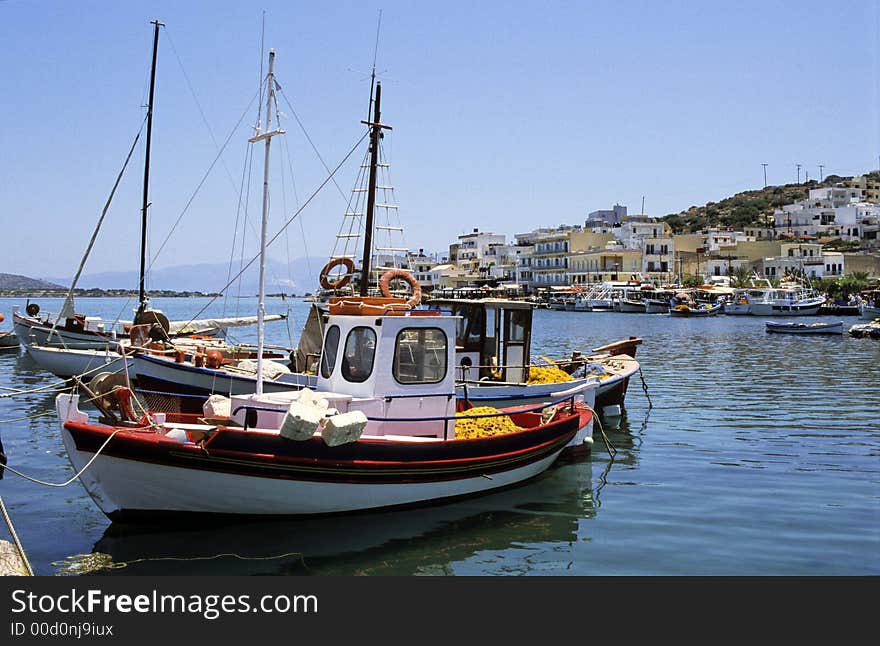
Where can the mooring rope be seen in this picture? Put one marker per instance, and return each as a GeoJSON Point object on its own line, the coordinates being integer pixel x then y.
{"type": "Point", "coordinates": [15, 539]}
{"type": "Point", "coordinates": [645, 388]}
{"type": "Point", "coordinates": [74, 477]}
{"type": "Point", "coordinates": [98, 561]}
{"type": "Point", "coordinates": [61, 386]}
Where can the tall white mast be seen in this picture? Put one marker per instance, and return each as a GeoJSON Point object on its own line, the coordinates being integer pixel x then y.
{"type": "Point", "coordinates": [267, 136]}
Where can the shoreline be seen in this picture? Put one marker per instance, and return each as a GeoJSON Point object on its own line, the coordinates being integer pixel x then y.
{"type": "Point", "coordinates": [116, 293]}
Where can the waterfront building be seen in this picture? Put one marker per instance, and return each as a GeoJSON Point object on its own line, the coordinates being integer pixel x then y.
{"type": "Point", "coordinates": [614, 262]}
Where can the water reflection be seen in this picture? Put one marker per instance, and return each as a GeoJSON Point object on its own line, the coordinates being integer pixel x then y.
{"type": "Point", "coordinates": [431, 540]}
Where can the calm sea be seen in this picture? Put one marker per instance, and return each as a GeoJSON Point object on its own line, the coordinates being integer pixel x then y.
{"type": "Point", "coordinates": [755, 454]}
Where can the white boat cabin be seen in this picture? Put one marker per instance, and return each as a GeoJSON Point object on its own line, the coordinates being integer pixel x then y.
{"type": "Point", "coordinates": [395, 368]}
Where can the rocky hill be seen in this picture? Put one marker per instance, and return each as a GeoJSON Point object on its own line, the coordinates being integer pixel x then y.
{"type": "Point", "coordinates": [16, 282]}
{"type": "Point", "coordinates": [746, 208]}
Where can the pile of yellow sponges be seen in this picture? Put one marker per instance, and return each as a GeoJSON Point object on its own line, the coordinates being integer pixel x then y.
{"type": "Point", "coordinates": [550, 375]}
{"type": "Point", "coordinates": [472, 427]}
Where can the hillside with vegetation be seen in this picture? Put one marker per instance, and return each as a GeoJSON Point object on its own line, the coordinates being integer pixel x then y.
{"type": "Point", "coordinates": [17, 282]}
{"type": "Point", "coordinates": [747, 208]}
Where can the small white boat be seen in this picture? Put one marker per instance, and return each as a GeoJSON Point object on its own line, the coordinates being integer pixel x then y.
{"type": "Point", "coordinates": [69, 362]}
{"type": "Point", "coordinates": [805, 328]}
{"type": "Point", "coordinates": [869, 312]}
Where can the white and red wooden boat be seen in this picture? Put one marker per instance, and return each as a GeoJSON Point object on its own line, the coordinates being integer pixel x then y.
{"type": "Point", "coordinates": [396, 371]}
{"type": "Point", "coordinates": [387, 382]}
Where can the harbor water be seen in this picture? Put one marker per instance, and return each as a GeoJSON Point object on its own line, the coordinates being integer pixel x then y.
{"type": "Point", "coordinates": [746, 453]}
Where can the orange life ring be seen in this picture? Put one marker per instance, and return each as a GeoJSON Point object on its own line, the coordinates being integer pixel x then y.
{"type": "Point", "coordinates": [391, 274]}
{"type": "Point", "coordinates": [326, 283]}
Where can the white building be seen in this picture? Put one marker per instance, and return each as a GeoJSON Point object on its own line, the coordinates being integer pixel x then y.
{"type": "Point", "coordinates": [831, 212]}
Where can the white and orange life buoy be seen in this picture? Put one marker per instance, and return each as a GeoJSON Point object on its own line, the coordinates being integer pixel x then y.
{"type": "Point", "coordinates": [402, 274]}
{"type": "Point", "coordinates": [343, 280]}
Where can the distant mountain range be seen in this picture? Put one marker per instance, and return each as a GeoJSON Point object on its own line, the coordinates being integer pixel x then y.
{"type": "Point", "coordinates": [14, 281]}
{"type": "Point", "coordinates": [301, 277]}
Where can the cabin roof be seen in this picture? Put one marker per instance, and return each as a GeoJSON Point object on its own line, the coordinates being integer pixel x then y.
{"type": "Point", "coordinates": [497, 303]}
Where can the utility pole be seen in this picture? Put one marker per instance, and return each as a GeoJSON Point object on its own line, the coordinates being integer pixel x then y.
{"type": "Point", "coordinates": [765, 175]}
{"type": "Point", "coordinates": [799, 173]}
{"type": "Point", "coordinates": [643, 204]}
{"type": "Point", "coordinates": [821, 175]}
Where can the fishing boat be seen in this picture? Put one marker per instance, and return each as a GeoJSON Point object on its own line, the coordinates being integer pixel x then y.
{"type": "Point", "coordinates": [379, 431]}
{"type": "Point", "coordinates": [630, 301]}
{"type": "Point", "coordinates": [701, 310]}
{"type": "Point", "coordinates": [787, 301]}
{"type": "Point", "coordinates": [805, 328]}
{"type": "Point", "coordinates": [683, 304]}
{"type": "Point", "coordinates": [494, 365]}
{"type": "Point", "coordinates": [7, 339]}
{"type": "Point", "coordinates": [657, 302]}
{"type": "Point", "coordinates": [866, 330]}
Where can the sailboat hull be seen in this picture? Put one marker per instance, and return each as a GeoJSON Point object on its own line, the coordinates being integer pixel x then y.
{"type": "Point", "coordinates": [194, 385]}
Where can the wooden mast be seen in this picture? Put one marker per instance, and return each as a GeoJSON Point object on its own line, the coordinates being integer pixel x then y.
{"type": "Point", "coordinates": [142, 298]}
{"type": "Point", "coordinates": [376, 128]}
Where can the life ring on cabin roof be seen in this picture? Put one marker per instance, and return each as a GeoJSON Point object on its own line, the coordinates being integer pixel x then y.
{"type": "Point", "coordinates": [343, 280]}
{"type": "Point", "coordinates": [392, 274]}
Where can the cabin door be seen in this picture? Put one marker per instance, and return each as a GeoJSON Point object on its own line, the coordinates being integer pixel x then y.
{"type": "Point", "coordinates": [516, 344]}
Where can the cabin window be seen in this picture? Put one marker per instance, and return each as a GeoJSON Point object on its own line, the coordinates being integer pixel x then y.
{"type": "Point", "coordinates": [360, 350]}
{"type": "Point", "coordinates": [518, 320]}
{"type": "Point", "coordinates": [420, 356]}
{"type": "Point", "coordinates": [328, 356]}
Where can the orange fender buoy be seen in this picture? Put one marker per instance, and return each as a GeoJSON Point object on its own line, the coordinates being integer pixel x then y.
{"type": "Point", "coordinates": [391, 274]}
{"type": "Point", "coordinates": [343, 280]}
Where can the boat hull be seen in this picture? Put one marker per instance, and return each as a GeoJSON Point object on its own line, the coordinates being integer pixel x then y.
{"type": "Point", "coordinates": [32, 332]}
{"type": "Point", "coordinates": [194, 385]}
{"type": "Point", "coordinates": [695, 312]}
{"type": "Point", "coordinates": [870, 312]}
{"type": "Point", "coordinates": [632, 307]}
{"type": "Point", "coordinates": [254, 473]}
{"type": "Point", "coordinates": [68, 363]}
{"type": "Point", "coordinates": [656, 307]}
{"type": "Point", "coordinates": [805, 328]}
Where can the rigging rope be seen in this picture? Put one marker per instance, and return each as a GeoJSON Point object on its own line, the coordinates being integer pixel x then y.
{"type": "Point", "coordinates": [67, 306]}
{"type": "Point", "coordinates": [286, 224]}
{"type": "Point", "coordinates": [199, 186]}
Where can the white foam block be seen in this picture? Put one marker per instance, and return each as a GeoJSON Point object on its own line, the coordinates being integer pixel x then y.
{"type": "Point", "coordinates": [309, 397]}
{"type": "Point", "coordinates": [301, 422]}
{"type": "Point", "coordinates": [343, 428]}
{"type": "Point", "coordinates": [217, 407]}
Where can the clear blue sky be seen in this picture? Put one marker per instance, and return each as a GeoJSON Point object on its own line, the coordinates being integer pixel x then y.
{"type": "Point", "coordinates": [507, 115]}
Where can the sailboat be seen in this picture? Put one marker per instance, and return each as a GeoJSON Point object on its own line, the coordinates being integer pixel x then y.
{"type": "Point", "coordinates": [70, 343]}
{"type": "Point", "coordinates": [71, 330]}
{"type": "Point", "coordinates": [380, 431]}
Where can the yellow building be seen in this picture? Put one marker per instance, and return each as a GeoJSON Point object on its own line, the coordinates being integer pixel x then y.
{"type": "Point", "coordinates": [586, 267]}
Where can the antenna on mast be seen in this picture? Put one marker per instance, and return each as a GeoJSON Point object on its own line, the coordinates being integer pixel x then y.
{"type": "Point", "coordinates": [373, 72]}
